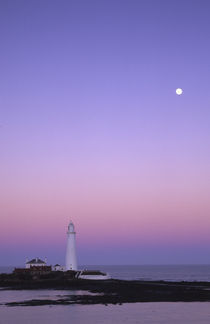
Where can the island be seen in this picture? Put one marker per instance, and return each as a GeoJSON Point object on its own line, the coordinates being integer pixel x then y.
{"type": "Point", "coordinates": [112, 291]}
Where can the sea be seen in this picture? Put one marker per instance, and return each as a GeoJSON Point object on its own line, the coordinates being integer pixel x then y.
{"type": "Point", "coordinates": [161, 312]}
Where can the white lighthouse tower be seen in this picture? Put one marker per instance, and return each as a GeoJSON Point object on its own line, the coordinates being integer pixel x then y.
{"type": "Point", "coordinates": [71, 258]}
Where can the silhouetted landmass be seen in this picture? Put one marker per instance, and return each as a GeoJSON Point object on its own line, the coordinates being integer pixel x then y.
{"type": "Point", "coordinates": [105, 292]}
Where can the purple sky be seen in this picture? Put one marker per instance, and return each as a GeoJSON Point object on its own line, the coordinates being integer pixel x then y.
{"type": "Point", "coordinates": [91, 129]}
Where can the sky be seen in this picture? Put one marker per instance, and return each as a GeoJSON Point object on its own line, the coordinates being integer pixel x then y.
{"type": "Point", "coordinates": [91, 130]}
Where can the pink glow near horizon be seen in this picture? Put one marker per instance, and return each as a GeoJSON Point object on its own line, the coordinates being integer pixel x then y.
{"type": "Point", "coordinates": [142, 209]}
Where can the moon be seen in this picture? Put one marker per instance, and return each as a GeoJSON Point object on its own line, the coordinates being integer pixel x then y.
{"type": "Point", "coordinates": [179, 91]}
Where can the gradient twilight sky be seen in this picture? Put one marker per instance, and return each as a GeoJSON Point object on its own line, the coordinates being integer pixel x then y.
{"type": "Point", "coordinates": [91, 129]}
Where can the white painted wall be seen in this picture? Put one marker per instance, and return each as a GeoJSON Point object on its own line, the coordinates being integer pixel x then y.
{"type": "Point", "coordinates": [34, 265]}
{"type": "Point", "coordinates": [58, 268]}
{"type": "Point", "coordinates": [71, 257]}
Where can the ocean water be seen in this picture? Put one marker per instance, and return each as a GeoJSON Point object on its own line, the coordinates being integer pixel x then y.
{"type": "Point", "coordinates": [173, 313]}
{"type": "Point", "coordinates": [158, 272]}
{"type": "Point", "coordinates": [141, 313]}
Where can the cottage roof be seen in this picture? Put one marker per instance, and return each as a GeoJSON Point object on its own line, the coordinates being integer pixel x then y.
{"type": "Point", "coordinates": [36, 261]}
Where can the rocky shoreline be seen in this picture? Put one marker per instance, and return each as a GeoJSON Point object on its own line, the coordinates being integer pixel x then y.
{"type": "Point", "coordinates": [106, 292]}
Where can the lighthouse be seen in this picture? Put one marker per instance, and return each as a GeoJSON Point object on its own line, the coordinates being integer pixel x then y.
{"type": "Point", "coordinates": [71, 258]}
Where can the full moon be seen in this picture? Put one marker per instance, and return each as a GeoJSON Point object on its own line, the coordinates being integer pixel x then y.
{"type": "Point", "coordinates": [179, 91]}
